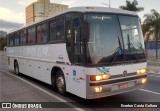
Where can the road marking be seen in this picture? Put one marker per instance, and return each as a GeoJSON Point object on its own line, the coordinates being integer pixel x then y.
{"type": "Point", "coordinates": [54, 96]}
{"type": "Point", "coordinates": [153, 75]}
{"type": "Point", "coordinates": [149, 91]}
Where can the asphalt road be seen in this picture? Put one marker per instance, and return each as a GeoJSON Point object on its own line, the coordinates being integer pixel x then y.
{"type": "Point", "coordinates": [25, 89]}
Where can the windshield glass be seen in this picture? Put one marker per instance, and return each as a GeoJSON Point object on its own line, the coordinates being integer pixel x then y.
{"type": "Point", "coordinates": [106, 33]}
{"type": "Point", "coordinates": [132, 37]}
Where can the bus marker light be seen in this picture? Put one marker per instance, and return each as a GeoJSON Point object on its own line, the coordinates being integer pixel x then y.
{"type": "Point", "coordinates": [144, 80]}
{"type": "Point", "coordinates": [98, 89]}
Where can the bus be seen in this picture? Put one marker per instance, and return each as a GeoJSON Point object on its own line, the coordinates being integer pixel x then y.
{"type": "Point", "coordinates": [91, 52]}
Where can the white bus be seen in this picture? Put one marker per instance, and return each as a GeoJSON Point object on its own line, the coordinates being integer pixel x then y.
{"type": "Point", "coordinates": [91, 52]}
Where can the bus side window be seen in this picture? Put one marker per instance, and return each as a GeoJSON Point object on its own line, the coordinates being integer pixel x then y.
{"type": "Point", "coordinates": [57, 30]}
{"type": "Point", "coordinates": [31, 35]}
{"type": "Point", "coordinates": [39, 33]}
{"type": "Point", "coordinates": [16, 39]}
{"type": "Point", "coordinates": [11, 36]}
{"type": "Point", "coordinates": [60, 29]}
{"type": "Point", "coordinates": [42, 33]}
{"type": "Point", "coordinates": [7, 40]}
{"type": "Point", "coordinates": [23, 36]}
{"type": "Point", "coordinates": [52, 30]}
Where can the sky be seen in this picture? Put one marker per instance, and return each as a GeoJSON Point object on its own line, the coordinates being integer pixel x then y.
{"type": "Point", "coordinates": [13, 11]}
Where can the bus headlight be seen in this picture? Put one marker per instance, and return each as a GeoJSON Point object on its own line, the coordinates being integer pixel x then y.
{"type": "Point", "coordinates": [99, 77]}
{"type": "Point", "coordinates": [142, 71]}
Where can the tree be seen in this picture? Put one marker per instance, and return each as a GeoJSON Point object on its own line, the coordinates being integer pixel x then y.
{"type": "Point", "coordinates": [132, 6]}
{"type": "Point", "coordinates": [152, 20]}
{"type": "Point", "coordinates": [3, 43]}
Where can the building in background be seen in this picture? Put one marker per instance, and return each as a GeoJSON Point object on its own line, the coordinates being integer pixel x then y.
{"type": "Point", "coordinates": [3, 33]}
{"type": "Point", "coordinates": [42, 9]}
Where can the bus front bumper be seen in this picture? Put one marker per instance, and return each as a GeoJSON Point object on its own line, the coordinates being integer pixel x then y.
{"type": "Point", "coordinates": [114, 87]}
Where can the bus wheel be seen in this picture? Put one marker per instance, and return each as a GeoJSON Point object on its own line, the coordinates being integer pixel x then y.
{"type": "Point", "coordinates": [16, 68]}
{"type": "Point", "coordinates": [60, 83]}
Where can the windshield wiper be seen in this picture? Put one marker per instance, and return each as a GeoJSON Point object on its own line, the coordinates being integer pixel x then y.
{"type": "Point", "coordinates": [119, 49]}
{"type": "Point", "coordinates": [130, 45]}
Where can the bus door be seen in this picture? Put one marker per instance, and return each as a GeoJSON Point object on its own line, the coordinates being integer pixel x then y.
{"type": "Point", "coordinates": [75, 53]}
{"type": "Point", "coordinates": [77, 43]}
{"type": "Point", "coordinates": [74, 42]}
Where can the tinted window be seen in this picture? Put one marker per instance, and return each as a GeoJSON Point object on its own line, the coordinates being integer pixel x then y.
{"type": "Point", "coordinates": [60, 31]}
{"type": "Point", "coordinates": [78, 50]}
{"type": "Point", "coordinates": [57, 30]}
{"type": "Point", "coordinates": [11, 37]}
{"type": "Point", "coordinates": [72, 15]}
{"type": "Point", "coordinates": [52, 30]}
{"type": "Point", "coordinates": [42, 33]}
{"type": "Point", "coordinates": [76, 22]}
{"type": "Point", "coordinates": [7, 40]}
{"type": "Point", "coordinates": [16, 38]}
{"type": "Point", "coordinates": [23, 36]}
{"type": "Point", "coordinates": [31, 35]}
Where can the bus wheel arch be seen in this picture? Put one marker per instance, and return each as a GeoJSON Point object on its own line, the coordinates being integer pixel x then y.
{"type": "Point", "coordinates": [57, 78]}
{"type": "Point", "coordinates": [16, 67]}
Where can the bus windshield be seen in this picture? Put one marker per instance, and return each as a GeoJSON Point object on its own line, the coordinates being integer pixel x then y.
{"type": "Point", "coordinates": [114, 39]}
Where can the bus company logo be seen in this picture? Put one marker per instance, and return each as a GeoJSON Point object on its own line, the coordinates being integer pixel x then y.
{"type": "Point", "coordinates": [103, 70]}
{"type": "Point", "coordinates": [125, 73]}
{"type": "Point", "coordinates": [74, 73]}
{"type": "Point", "coordinates": [6, 105]}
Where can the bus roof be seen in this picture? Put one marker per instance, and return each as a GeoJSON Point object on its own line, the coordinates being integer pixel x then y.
{"type": "Point", "coordinates": [100, 9]}
{"type": "Point", "coordinates": [85, 10]}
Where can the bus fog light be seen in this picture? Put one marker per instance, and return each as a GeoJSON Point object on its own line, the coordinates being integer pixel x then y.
{"type": "Point", "coordinates": [144, 80]}
{"type": "Point", "coordinates": [98, 89]}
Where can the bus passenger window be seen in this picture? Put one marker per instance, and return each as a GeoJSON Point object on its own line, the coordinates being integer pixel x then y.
{"type": "Point", "coordinates": [60, 31]}
{"type": "Point", "coordinates": [7, 40]}
{"type": "Point", "coordinates": [11, 40]}
{"type": "Point", "coordinates": [23, 36]}
{"type": "Point", "coordinates": [42, 33]}
{"type": "Point", "coordinates": [31, 35]}
{"type": "Point", "coordinates": [52, 31]}
{"type": "Point", "coordinates": [16, 39]}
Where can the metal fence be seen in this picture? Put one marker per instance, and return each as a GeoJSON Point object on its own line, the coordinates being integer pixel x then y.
{"type": "Point", "coordinates": [152, 45]}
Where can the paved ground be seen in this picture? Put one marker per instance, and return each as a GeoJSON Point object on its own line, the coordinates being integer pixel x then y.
{"type": "Point", "coordinates": [154, 68]}
{"type": "Point", "coordinates": [26, 89]}
{"type": "Point", "coordinates": [152, 53]}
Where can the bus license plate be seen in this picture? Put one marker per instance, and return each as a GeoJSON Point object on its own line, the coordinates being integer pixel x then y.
{"type": "Point", "coordinates": [123, 85]}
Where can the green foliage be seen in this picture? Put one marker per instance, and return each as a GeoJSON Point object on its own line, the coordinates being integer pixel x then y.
{"type": "Point", "coordinates": [3, 43]}
{"type": "Point", "coordinates": [152, 20]}
{"type": "Point", "coordinates": [132, 6]}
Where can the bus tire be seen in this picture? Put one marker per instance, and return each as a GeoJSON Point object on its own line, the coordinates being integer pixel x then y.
{"type": "Point", "coordinates": [16, 68]}
{"type": "Point", "coordinates": [60, 82]}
